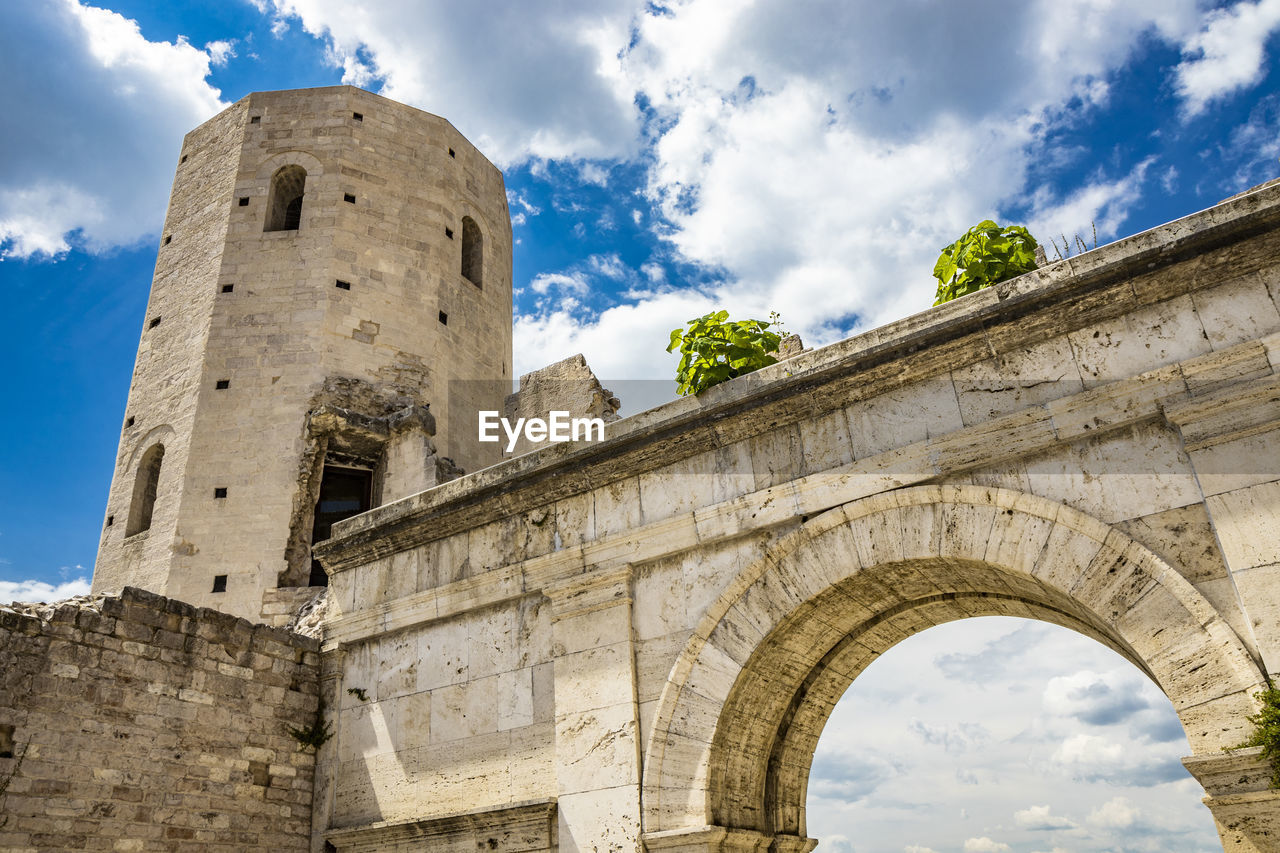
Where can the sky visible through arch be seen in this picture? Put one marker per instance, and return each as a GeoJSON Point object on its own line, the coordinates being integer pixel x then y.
{"type": "Point", "coordinates": [662, 159]}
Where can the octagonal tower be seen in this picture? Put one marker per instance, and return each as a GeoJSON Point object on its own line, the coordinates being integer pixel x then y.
{"type": "Point", "coordinates": [331, 306]}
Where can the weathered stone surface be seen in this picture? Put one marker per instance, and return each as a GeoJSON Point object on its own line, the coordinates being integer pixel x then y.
{"type": "Point", "coordinates": [351, 340]}
{"type": "Point", "coordinates": [635, 643]}
{"type": "Point", "coordinates": [124, 746]}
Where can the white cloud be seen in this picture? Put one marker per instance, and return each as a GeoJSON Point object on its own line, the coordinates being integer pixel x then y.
{"type": "Point", "coordinates": [1116, 813]}
{"type": "Point", "coordinates": [220, 51]}
{"type": "Point", "coordinates": [1041, 818]}
{"type": "Point", "coordinates": [998, 671]}
{"type": "Point", "coordinates": [1095, 211]}
{"type": "Point", "coordinates": [817, 153]}
{"type": "Point", "coordinates": [1098, 699]}
{"type": "Point", "coordinates": [1091, 757]}
{"type": "Point", "coordinates": [518, 79]}
{"type": "Point", "coordinates": [91, 140]}
{"type": "Point", "coordinates": [960, 737]}
{"type": "Point", "coordinates": [32, 590]}
{"type": "Point", "coordinates": [571, 283]}
{"type": "Point", "coordinates": [914, 848]}
{"type": "Point", "coordinates": [609, 265]}
{"type": "Point", "coordinates": [1227, 53]}
{"type": "Point", "coordinates": [984, 845]}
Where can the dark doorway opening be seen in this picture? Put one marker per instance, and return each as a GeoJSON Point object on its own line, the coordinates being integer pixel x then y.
{"type": "Point", "coordinates": [344, 492]}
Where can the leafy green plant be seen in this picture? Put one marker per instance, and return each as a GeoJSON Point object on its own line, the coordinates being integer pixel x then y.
{"type": "Point", "coordinates": [313, 736]}
{"type": "Point", "coordinates": [1266, 731]}
{"type": "Point", "coordinates": [985, 255]}
{"type": "Point", "coordinates": [713, 349]}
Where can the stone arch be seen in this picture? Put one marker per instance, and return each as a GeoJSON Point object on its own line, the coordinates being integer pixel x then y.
{"type": "Point", "coordinates": [472, 252]}
{"type": "Point", "coordinates": [738, 720]}
{"type": "Point", "coordinates": [287, 176]}
{"type": "Point", "coordinates": [146, 484]}
{"type": "Point", "coordinates": [284, 199]}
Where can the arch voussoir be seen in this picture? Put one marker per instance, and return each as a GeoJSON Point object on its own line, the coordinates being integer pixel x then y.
{"type": "Point", "coordinates": [736, 725]}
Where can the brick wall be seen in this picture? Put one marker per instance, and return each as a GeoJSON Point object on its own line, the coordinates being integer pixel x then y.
{"type": "Point", "coordinates": [138, 723]}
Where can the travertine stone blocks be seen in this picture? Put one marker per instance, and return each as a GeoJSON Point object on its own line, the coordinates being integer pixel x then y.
{"type": "Point", "coordinates": [141, 723]}
{"type": "Point", "coordinates": [282, 351]}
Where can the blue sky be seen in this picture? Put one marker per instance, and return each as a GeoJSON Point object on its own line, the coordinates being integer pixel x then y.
{"type": "Point", "coordinates": [661, 160]}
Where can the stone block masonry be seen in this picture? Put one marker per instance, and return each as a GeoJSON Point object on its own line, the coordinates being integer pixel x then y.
{"type": "Point", "coordinates": [139, 723]}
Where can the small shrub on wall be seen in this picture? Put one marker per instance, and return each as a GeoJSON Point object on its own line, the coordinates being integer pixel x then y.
{"type": "Point", "coordinates": [985, 255]}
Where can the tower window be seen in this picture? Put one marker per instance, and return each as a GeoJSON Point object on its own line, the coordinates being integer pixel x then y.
{"type": "Point", "coordinates": [244, 201]}
{"type": "Point", "coordinates": [472, 251]}
{"type": "Point", "coordinates": [222, 384]}
{"type": "Point", "coordinates": [145, 485]}
{"type": "Point", "coordinates": [168, 239]}
{"type": "Point", "coordinates": [357, 116]}
{"type": "Point", "coordinates": [111, 519]}
{"type": "Point", "coordinates": [219, 583]}
{"type": "Point", "coordinates": [255, 119]}
{"type": "Point", "coordinates": [342, 285]}
{"type": "Point", "coordinates": [227, 288]}
{"type": "Point", "coordinates": [184, 158]}
{"type": "Point", "coordinates": [284, 207]}
{"type": "Point", "coordinates": [220, 492]}
{"type": "Point", "coordinates": [128, 422]}
{"type": "Point", "coordinates": [444, 319]}
{"type": "Point", "coordinates": [348, 198]}
{"type": "Point", "coordinates": [155, 321]}
{"type": "Point", "coordinates": [448, 232]}
{"type": "Point", "coordinates": [344, 492]}
{"type": "Point", "coordinates": [451, 154]}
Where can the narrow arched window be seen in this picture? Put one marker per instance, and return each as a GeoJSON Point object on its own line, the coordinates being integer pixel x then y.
{"type": "Point", "coordinates": [144, 491]}
{"type": "Point", "coordinates": [284, 205]}
{"type": "Point", "coordinates": [472, 251]}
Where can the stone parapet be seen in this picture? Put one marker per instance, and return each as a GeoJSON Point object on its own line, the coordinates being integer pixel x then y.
{"type": "Point", "coordinates": [135, 722]}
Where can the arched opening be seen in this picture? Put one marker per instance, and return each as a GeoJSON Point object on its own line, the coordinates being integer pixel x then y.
{"type": "Point", "coordinates": [1008, 734]}
{"type": "Point", "coordinates": [145, 484]}
{"type": "Point", "coordinates": [737, 724]}
{"type": "Point", "coordinates": [472, 251]}
{"type": "Point", "coordinates": [284, 204]}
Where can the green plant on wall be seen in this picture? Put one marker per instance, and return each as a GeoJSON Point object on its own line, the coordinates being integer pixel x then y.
{"type": "Point", "coordinates": [713, 349]}
{"type": "Point", "coordinates": [311, 737]}
{"type": "Point", "coordinates": [1266, 731]}
{"type": "Point", "coordinates": [985, 255]}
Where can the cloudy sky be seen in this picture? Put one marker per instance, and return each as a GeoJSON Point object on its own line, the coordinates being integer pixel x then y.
{"type": "Point", "coordinates": [662, 159]}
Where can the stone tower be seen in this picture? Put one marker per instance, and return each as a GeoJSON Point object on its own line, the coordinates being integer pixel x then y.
{"type": "Point", "coordinates": [331, 306]}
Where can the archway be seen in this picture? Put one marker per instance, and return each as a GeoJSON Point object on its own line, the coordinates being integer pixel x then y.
{"type": "Point", "coordinates": [1004, 734]}
{"type": "Point", "coordinates": [734, 733]}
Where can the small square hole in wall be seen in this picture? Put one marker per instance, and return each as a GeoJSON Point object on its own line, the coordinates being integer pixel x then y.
{"type": "Point", "coordinates": [128, 422]}
{"type": "Point", "coordinates": [444, 319]}
{"type": "Point", "coordinates": [244, 201]}
{"type": "Point", "coordinates": [227, 288]}
{"type": "Point", "coordinates": [448, 232]}
{"type": "Point", "coordinates": [348, 198]}
{"type": "Point", "coordinates": [222, 384]}
{"type": "Point", "coordinates": [111, 519]}
{"type": "Point", "coordinates": [451, 154]}
{"type": "Point", "coordinates": [358, 116]}
{"type": "Point", "coordinates": [184, 158]}
{"type": "Point", "coordinates": [155, 321]}
{"type": "Point", "coordinates": [6, 741]}
{"type": "Point", "coordinates": [219, 583]}
{"type": "Point", "coordinates": [342, 285]}
{"type": "Point", "coordinates": [255, 119]}
{"type": "Point", "coordinates": [220, 492]}
{"type": "Point", "coordinates": [168, 239]}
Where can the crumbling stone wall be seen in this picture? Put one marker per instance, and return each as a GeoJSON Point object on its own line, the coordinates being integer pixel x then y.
{"type": "Point", "coordinates": [138, 723]}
